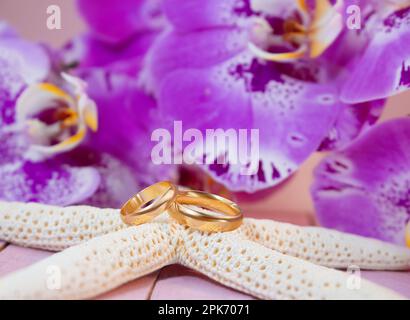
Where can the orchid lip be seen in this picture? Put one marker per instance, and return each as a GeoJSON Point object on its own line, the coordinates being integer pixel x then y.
{"type": "Point", "coordinates": [278, 57]}
{"type": "Point", "coordinates": [73, 112]}
{"type": "Point", "coordinates": [312, 35]}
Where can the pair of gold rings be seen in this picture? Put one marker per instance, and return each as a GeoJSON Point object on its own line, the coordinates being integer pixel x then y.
{"type": "Point", "coordinates": [196, 209]}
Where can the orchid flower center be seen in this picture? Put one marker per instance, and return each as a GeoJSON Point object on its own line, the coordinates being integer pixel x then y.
{"type": "Point", "coordinates": [56, 120]}
{"type": "Point", "coordinates": [408, 234]}
{"type": "Point", "coordinates": [309, 33]}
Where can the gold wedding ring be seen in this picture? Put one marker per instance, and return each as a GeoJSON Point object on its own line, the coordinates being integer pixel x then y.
{"type": "Point", "coordinates": [148, 203]}
{"type": "Point", "coordinates": [196, 209]}
{"type": "Point", "coordinates": [206, 212]}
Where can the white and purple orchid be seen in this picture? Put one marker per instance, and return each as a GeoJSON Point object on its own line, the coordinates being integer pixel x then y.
{"type": "Point", "coordinates": [277, 66]}
{"type": "Point", "coordinates": [51, 181]}
{"type": "Point", "coordinates": [72, 138]}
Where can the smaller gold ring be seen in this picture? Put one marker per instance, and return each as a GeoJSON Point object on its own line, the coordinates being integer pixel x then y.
{"type": "Point", "coordinates": [206, 212]}
{"type": "Point", "coordinates": [148, 203]}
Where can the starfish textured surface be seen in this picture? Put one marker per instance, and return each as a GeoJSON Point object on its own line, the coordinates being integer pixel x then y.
{"type": "Point", "coordinates": [266, 259]}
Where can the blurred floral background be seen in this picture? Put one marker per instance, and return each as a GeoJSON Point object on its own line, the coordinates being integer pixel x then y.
{"type": "Point", "coordinates": [78, 105]}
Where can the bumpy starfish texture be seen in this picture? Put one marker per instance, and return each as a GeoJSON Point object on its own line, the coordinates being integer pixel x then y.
{"type": "Point", "coordinates": [263, 258]}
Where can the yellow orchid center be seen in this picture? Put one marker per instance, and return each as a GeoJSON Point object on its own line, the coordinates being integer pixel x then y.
{"type": "Point", "coordinates": [308, 34]}
{"type": "Point", "coordinates": [57, 119]}
{"type": "Point", "coordinates": [407, 234]}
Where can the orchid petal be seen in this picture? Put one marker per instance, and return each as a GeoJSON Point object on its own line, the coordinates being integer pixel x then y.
{"type": "Point", "coordinates": [204, 49]}
{"type": "Point", "coordinates": [243, 93]}
{"type": "Point", "coordinates": [87, 108]}
{"type": "Point", "coordinates": [117, 180]}
{"type": "Point", "coordinates": [326, 27]}
{"type": "Point", "coordinates": [25, 60]}
{"type": "Point", "coordinates": [384, 69]}
{"type": "Point", "coordinates": [351, 122]}
{"type": "Point", "coordinates": [189, 15]}
{"type": "Point", "coordinates": [21, 64]}
{"type": "Point", "coordinates": [125, 124]}
{"type": "Point", "coordinates": [47, 182]}
{"type": "Point", "coordinates": [117, 21]}
{"type": "Point", "coordinates": [90, 115]}
{"type": "Point", "coordinates": [364, 188]}
{"type": "Point", "coordinates": [87, 51]}
{"type": "Point", "coordinates": [13, 145]}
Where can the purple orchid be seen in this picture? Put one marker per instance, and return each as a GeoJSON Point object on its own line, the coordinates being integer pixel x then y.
{"type": "Point", "coordinates": [74, 139]}
{"type": "Point", "coordinates": [277, 66]}
{"type": "Point", "coordinates": [365, 188]}
{"type": "Point", "coordinates": [50, 181]}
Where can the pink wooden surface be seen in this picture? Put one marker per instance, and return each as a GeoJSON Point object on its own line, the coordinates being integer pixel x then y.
{"type": "Point", "coordinates": [177, 282]}
{"type": "Point", "coordinates": [139, 289]}
{"type": "Point", "coordinates": [13, 258]}
{"type": "Point", "coordinates": [397, 281]}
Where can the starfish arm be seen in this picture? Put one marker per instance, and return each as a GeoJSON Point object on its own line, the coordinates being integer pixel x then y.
{"type": "Point", "coordinates": [254, 269]}
{"type": "Point", "coordinates": [96, 266]}
{"type": "Point", "coordinates": [327, 247]}
{"type": "Point", "coordinates": [54, 228]}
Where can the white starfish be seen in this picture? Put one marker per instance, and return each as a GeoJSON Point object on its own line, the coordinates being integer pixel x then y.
{"type": "Point", "coordinates": [263, 258]}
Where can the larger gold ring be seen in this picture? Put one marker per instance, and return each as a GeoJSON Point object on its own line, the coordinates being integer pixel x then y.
{"type": "Point", "coordinates": [148, 203]}
{"type": "Point", "coordinates": [206, 212]}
